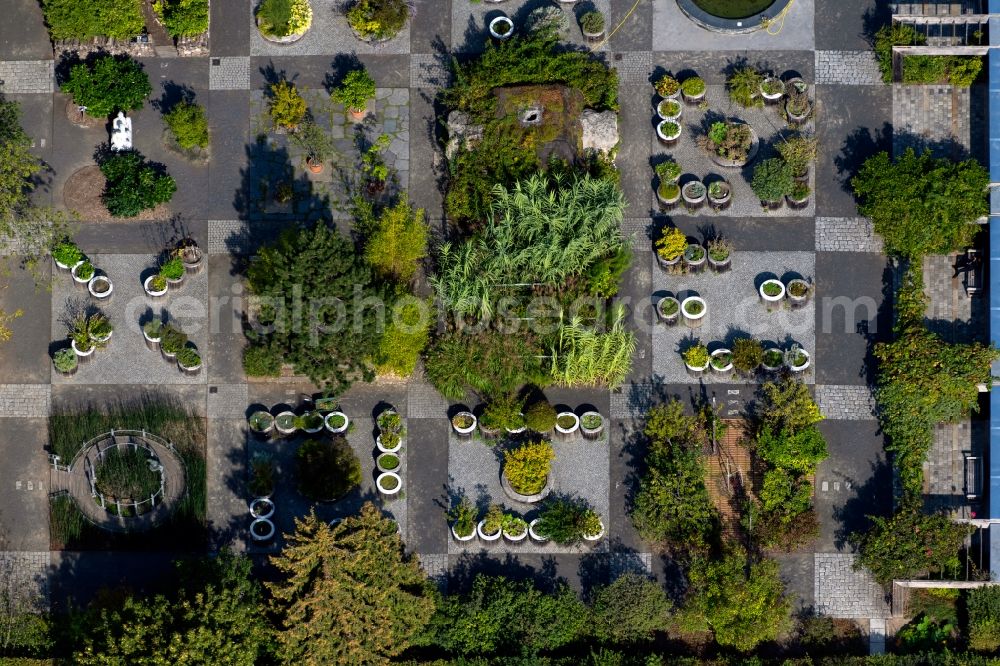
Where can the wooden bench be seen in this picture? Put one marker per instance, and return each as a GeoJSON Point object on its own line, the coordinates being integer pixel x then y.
{"type": "Point", "coordinates": [973, 477]}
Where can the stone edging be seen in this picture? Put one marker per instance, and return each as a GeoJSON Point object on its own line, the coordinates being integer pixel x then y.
{"type": "Point", "coordinates": [737, 26]}
{"type": "Point", "coordinates": [525, 499]}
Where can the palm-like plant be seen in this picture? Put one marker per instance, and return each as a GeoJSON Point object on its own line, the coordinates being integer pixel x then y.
{"type": "Point", "coordinates": [536, 234]}
{"type": "Point", "coordinates": [586, 357]}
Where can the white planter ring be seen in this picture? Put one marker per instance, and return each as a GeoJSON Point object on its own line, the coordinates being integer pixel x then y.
{"type": "Point", "coordinates": [497, 28]}
{"type": "Point", "coordinates": [76, 278]}
{"type": "Point", "coordinates": [728, 368]}
{"type": "Point", "coordinates": [316, 429]}
{"type": "Point", "coordinates": [566, 432]}
{"type": "Point", "coordinates": [667, 116]}
{"type": "Point", "coordinates": [329, 417]}
{"type": "Point", "coordinates": [667, 138]}
{"type": "Point", "coordinates": [771, 300]}
{"type": "Point", "coordinates": [772, 368]}
{"type": "Point", "coordinates": [267, 535]}
{"type": "Point", "coordinates": [596, 537]}
{"type": "Point", "coordinates": [467, 431]}
{"type": "Point", "coordinates": [463, 539]}
{"type": "Point", "coordinates": [150, 292]}
{"type": "Point", "coordinates": [772, 97]}
{"type": "Point", "coordinates": [285, 431]}
{"type": "Point", "coordinates": [382, 468]}
{"type": "Point", "coordinates": [515, 539]}
{"type": "Point", "coordinates": [800, 368]}
{"type": "Point", "coordinates": [82, 356]}
{"type": "Point", "coordinates": [535, 536]}
{"type": "Point", "coordinates": [102, 339]}
{"type": "Point", "coordinates": [100, 295]}
{"type": "Point", "coordinates": [487, 537]}
{"type": "Point", "coordinates": [517, 431]}
{"type": "Point", "coordinates": [387, 476]}
{"type": "Point", "coordinates": [695, 371]}
{"type": "Point", "coordinates": [694, 320]}
{"type": "Point", "coordinates": [261, 507]}
{"type": "Point", "coordinates": [60, 265]}
{"type": "Point", "coordinates": [386, 449]}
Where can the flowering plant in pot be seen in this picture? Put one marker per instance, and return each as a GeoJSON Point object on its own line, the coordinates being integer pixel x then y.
{"type": "Point", "coordinates": [66, 255]}
{"type": "Point", "coordinates": [694, 309]}
{"type": "Point", "coordinates": [720, 193]}
{"type": "Point", "coordinates": [463, 423]}
{"type": "Point", "coordinates": [667, 86]}
{"type": "Point", "coordinates": [514, 527]}
{"type": "Point", "coordinates": [773, 359]}
{"type": "Point", "coordinates": [772, 181]}
{"type": "Point", "coordinates": [798, 290]}
{"type": "Point", "coordinates": [721, 361]}
{"type": "Point", "coordinates": [694, 193]}
{"type": "Point", "coordinates": [668, 131]}
{"type": "Point", "coordinates": [731, 141]}
{"type": "Point", "coordinates": [772, 88]}
{"type": "Point", "coordinates": [567, 423]}
{"type": "Point", "coordinates": [564, 521]}
{"type": "Point", "coordinates": [190, 255]}
{"type": "Point", "coordinates": [172, 340]}
{"type": "Point", "coordinates": [155, 285]}
{"type": "Point", "coordinates": [99, 329]}
{"type": "Point", "coordinates": [798, 107]}
{"type": "Point", "coordinates": [387, 462]}
{"type": "Point", "coordinates": [720, 254]}
{"type": "Point", "coordinates": [390, 421]}
{"type": "Point", "coordinates": [772, 291]}
{"type": "Point", "coordinates": [592, 528]}
{"type": "Point", "coordinates": [377, 20]}
{"type": "Point", "coordinates": [336, 422]}
{"type": "Point", "coordinates": [696, 359]}
{"type": "Point", "coordinates": [82, 272]}
{"type": "Point", "coordinates": [799, 152]}
{"type": "Point", "coordinates": [797, 359]}
{"type": "Point", "coordinates": [463, 520]}
{"type": "Point", "coordinates": [591, 424]}
{"type": "Point", "coordinates": [285, 423]}
{"type": "Point", "coordinates": [694, 257]}
{"type": "Point", "coordinates": [354, 92]}
{"type": "Point", "coordinates": [798, 197]}
{"type": "Point", "coordinates": [693, 89]}
{"type": "Point", "coordinates": [670, 247]}
{"type": "Point", "coordinates": [152, 331]}
{"type": "Point", "coordinates": [491, 524]}
{"type": "Point", "coordinates": [310, 422]}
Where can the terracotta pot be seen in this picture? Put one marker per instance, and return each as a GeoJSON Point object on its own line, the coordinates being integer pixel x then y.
{"type": "Point", "coordinates": [314, 167]}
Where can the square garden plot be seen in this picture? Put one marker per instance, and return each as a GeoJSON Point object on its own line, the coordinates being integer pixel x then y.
{"type": "Point", "coordinates": [697, 163]}
{"type": "Point", "coordinates": [470, 21]}
{"type": "Point", "coordinates": [126, 359]}
{"type": "Point", "coordinates": [329, 33]}
{"type": "Point", "coordinates": [580, 469]}
{"type": "Point", "coordinates": [291, 504]}
{"type": "Point", "coordinates": [734, 310]}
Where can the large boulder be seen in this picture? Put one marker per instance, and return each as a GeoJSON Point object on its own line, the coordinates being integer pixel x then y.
{"type": "Point", "coordinates": [599, 130]}
{"type": "Point", "coordinates": [461, 133]}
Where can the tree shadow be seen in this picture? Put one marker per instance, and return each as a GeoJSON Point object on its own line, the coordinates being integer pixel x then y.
{"type": "Point", "coordinates": [873, 497]}
{"type": "Point", "coordinates": [270, 190]}
{"type": "Point", "coordinates": [947, 147]}
{"type": "Point", "coordinates": [471, 565]}
{"type": "Point", "coordinates": [173, 94]}
{"type": "Point", "coordinates": [859, 145]}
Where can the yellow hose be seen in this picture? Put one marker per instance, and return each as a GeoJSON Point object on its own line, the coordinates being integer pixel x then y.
{"type": "Point", "coordinates": [620, 24]}
{"type": "Point", "coordinates": [779, 20]}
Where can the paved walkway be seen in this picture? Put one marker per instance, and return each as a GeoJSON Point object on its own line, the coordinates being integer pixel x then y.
{"type": "Point", "coordinates": [845, 592]}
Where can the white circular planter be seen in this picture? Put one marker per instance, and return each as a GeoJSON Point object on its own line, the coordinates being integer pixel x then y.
{"type": "Point", "coordinates": [285, 431]}
{"type": "Point", "coordinates": [668, 138]}
{"type": "Point", "coordinates": [82, 355]}
{"type": "Point", "coordinates": [596, 537]}
{"type": "Point", "coordinates": [797, 368]}
{"type": "Point", "coordinates": [772, 368]}
{"type": "Point", "coordinates": [77, 278]}
{"type": "Point", "coordinates": [268, 532]}
{"type": "Point", "coordinates": [262, 507]}
{"type": "Point", "coordinates": [386, 477]}
{"type": "Point", "coordinates": [666, 115]}
{"type": "Point", "coordinates": [327, 422]}
{"type": "Point", "coordinates": [728, 367]}
{"type": "Point", "coordinates": [381, 466]}
{"type": "Point", "coordinates": [487, 537]}
{"type": "Point", "coordinates": [467, 430]}
{"type": "Point", "coordinates": [502, 28]}
{"type": "Point", "coordinates": [694, 319]}
{"type": "Point", "coordinates": [468, 537]}
{"type": "Point", "coordinates": [570, 430]}
{"type": "Point", "coordinates": [772, 97]}
{"type": "Point", "coordinates": [535, 536]}
{"type": "Point", "coordinates": [515, 539]}
{"type": "Point", "coordinates": [386, 449]}
{"type": "Point", "coordinates": [315, 429]}
{"type": "Point", "coordinates": [100, 279]}
{"type": "Point", "coordinates": [780, 296]}
{"type": "Point", "coordinates": [695, 371]}
{"type": "Point", "coordinates": [150, 291]}
{"type": "Point", "coordinates": [61, 265]}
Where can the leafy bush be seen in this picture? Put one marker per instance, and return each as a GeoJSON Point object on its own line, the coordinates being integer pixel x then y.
{"type": "Point", "coordinates": [527, 466]}
{"type": "Point", "coordinates": [592, 22]}
{"type": "Point", "coordinates": [67, 253]}
{"type": "Point", "coordinates": [666, 86]}
{"type": "Point", "coordinates": [693, 86]}
{"type": "Point", "coordinates": [355, 90]}
{"type": "Point", "coordinates": [798, 451]}
{"type": "Point", "coordinates": [188, 124]}
{"type": "Point", "coordinates": [984, 618]}
{"type": "Point", "coordinates": [172, 339]}
{"type": "Point", "coordinates": [744, 87]}
{"type": "Point", "coordinates": [540, 416]}
{"type": "Point", "coordinates": [671, 243]}
{"type": "Point", "coordinates": [585, 356]}
{"type": "Point", "coordinates": [405, 338]}
{"type": "Point", "coordinates": [799, 152]}
{"type": "Point", "coordinates": [378, 19]}
{"type": "Point", "coordinates": [564, 521]}
{"type": "Point", "coordinates": [261, 360]}
{"type": "Point", "coordinates": [133, 185]}
{"type": "Point", "coordinates": [183, 18]}
{"type": "Point", "coordinates": [397, 241]}
{"type": "Point", "coordinates": [189, 357]}
{"type": "Point", "coordinates": [72, 19]}
{"type": "Point", "coordinates": [65, 360]}
{"type": "Point", "coordinates": [286, 106]}
{"type": "Point", "coordinates": [108, 84]}
{"type": "Point", "coordinates": [631, 609]}
{"type": "Point", "coordinates": [491, 363]}
{"type": "Point", "coordinates": [327, 468]}
{"type": "Point", "coordinates": [283, 18]}
{"type": "Point", "coordinates": [772, 180]}
{"type": "Point", "coordinates": [786, 405]}
{"type": "Point", "coordinates": [920, 204]}
{"type": "Point", "coordinates": [894, 34]}
{"type": "Point", "coordinates": [748, 353]}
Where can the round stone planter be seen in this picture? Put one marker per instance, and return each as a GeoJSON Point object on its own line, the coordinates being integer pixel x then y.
{"type": "Point", "coordinates": [798, 292]}
{"type": "Point", "coordinates": [262, 507]}
{"type": "Point", "coordinates": [82, 356]}
{"type": "Point", "coordinates": [487, 537]}
{"type": "Point", "coordinates": [384, 482]}
{"type": "Point", "coordinates": [796, 118]}
{"type": "Point", "coordinates": [101, 340]}
{"type": "Point", "coordinates": [774, 83]}
{"type": "Point", "coordinates": [694, 194]}
{"type": "Point", "coordinates": [719, 363]}
{"type": "Point", "coordinates": [487, 432]}
{"type": "Point", "coordinates": [797, 204]}
{"type": "Point", "coordinates": [592, 36]}
{"type": "Point", "coordinates": [595, 537]}
{"type": "Point", "coordinates": [169, 357]}
{"type": "Point", "coordinates": [332, 422]}
{"type": "Point", "coordinates": [386, 449]}
{"type": "Point", "coordinates": [382, 460]}
{"type": "Point", "coordinates": [696, 319]}
{"type": "Point", "coordinates": [312, 430]}
{"type": "Point", "coordinates": [80, 281]}
{"type": "Point", "coordinates": [100, 287]}
{"type": "Point", "coordinates": [773, 299]}
{"type": "Point", "coordinates": [525, 499]}
{"type": "Point", "coordinates": [261, 530]}
{"type": "Point", "coordinates": [565, 431]}
{"type": "Point", "coordinates": [693, 99]}
{"type": "Point", "coordinates": [720, 265]}
{"type": "Point", "coordinates": [665, 137]}
{"type": "Point", "coordinates": [464, 430]}
{"type": "Point", "coordinates": [517, 431]}
{"type": "Point", "coordinates": [284, 423]}
{"type": "Point", "coordinates": [669, 109]}
{"type": "Point", "coordinates": [779, 359]}
{"type": "Point", "coordinates": [463, 539]}
{"type": "Point", "coordinates": [150, 291]}
{"type": "Point", "coordinates": [695, 371]}
{"type": "Point", "coordinates": [192, 258]}
{"type": "Point", "coordinates": [501, 28]}
{"type": "Point", "coordinates": [668, 265]}
{"type": "Point", "coordinates": [176, 283]}
{"type": "Point", "coordinates": [518, 538]}
{"type": "Point", "coordinates": [661, 306]}
{"type": "Point", "coordinates": [668, 201]}
{"type": "Point", "coordinates": [265, 431]}
{"type": "Point", "coordinates": [192, 371]}
{"type": "Point", "coordinates": [695, 258]}
{"type": "Point", "coordinates": [152, 344]}
{"type": "Point", "coordinates": [797, 364]}
{"type": "Point", "coordinates": [731, 26]}
{"type": "Point", "coordinates": [773, 205]}
{"type": "Point", "coordinates": [280, 41]}
{"type": "Point", "coordinates": [739, 164]}
{"type": "Point", "coordinates": [723, 196]}
{"type": "Point", "coordinates": [533, 532]}
{"type": "Point", "coordinates": [591, 433]}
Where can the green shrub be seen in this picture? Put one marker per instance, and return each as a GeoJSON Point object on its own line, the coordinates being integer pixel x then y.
{"type": "Point", "coordinates": [984, 618]}
{"type": "Point", "coordinates": [189, 357]}
{"type": "Point", "coordinates": [894, 34]}
{"type": "Point", "coordinates": [72, 19]}
{"type": "Point", "coordinates": [282, 18]}
{"type": "Point", "coordinates": [377, 20]}
{"type": "Point", "coordinates": [183, 18]}
{"type": "Point", "coordinates": [527, 466]}
{"type": "Point", "coordinates": [748, 353]}
{"type": "Point", "coordinates": [355, 90]}
{"type": "Point", "coordinates": [592, 22]}
{"type": "Point", "coordinates": [963, 71]}
{"type": "Point", "coordinates": [540, 417]}
{"type": "Point", "coordinates": [327, 468]}
{"type": "Point", "coordinates": [108, 84]}
{"type": "Point", "coordinates": [133, 185]}
{"type": "Point", "coordinates": [772, 180]}
{"type": "Point", "coordinates": [261, 361]}
{"type": "Point", "coordinates": [397, 241]}
{"type": "Point", "coordinates": [631, 609]}
{"type": "Point", "coordinates": [65, 360]}
{"type": "Point", "coordinates": [286, 106]}
{"type": "Point", "coordinates": [744, 87]}
{"type": "Point", "coordinates": [67, 253]}
{"type": "Point", "coordinates": [799, 451]}
{"type": "Point", "coordinates": [405, 337]}
{"type": "Point", "coordinates": [799, 152]}
{"type": "Point", "coordinates": [188, 124]}
{"type": "Point", "coordinates": [563, 520]}
{"type": "Point", "coordinates": [491, 363]}
{"type": "Point", "coordinates": [172, 269]}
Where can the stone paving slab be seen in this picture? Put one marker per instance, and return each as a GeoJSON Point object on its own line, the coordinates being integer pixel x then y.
{"type": "Point", "coordinates": [847, 234]}
{"type": "Point", "coordinates": [27, 76]}
{"type": "Point", "coordinates": [849, 68]}
{"type": "Point", "coordinates": [229, 73]}
{"type": "Point", "coordinates": [25, 401]}
{"type": "Point", "coordinates": [696, 163]}
{"type": "Point", "coordinates": [848, 403]}
{"type": "Point", "coordinates": [329, 34]}
{"type": "Point", "coordinates": [429, 71]}
{"type": "Point", "coordinates": [24, 579]}
{"type": "Point", "coordinates": [634, 67]}
{"type": "Point", "coordinates": [470, 22]}
{"type": "Point", "coordinates": [227, 401]}
{"type": "Point", "coordinates": [734, 310]}
{"type": "Point", "coordinates": [936, 117]}
{"type": "Point", "coordinates": [845, 592]}
{"type": "Point", "coordinates": [126, 360]}
{"type": "Point", "coordinates": [423, 400]}
{"type": "Point", "coordinates": [580, 468]}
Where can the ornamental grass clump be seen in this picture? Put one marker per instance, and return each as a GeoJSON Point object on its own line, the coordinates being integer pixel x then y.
{"type": "Point", "coordinates": [284, 18]}
{"type": "Point", "coordinates": [377, 20]}
{"type": "Point", "coordinates": [527, 467]}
